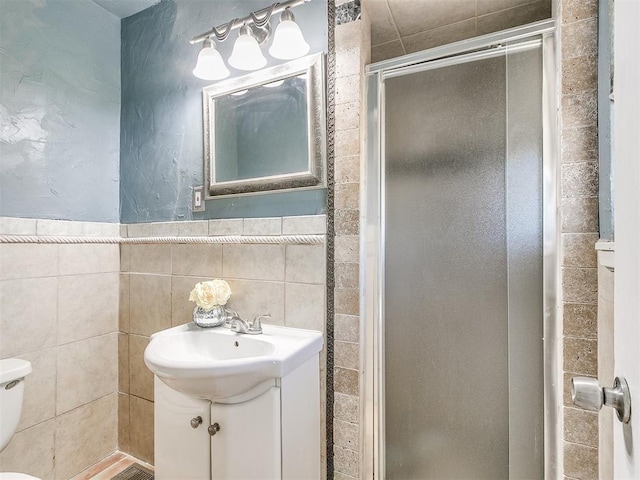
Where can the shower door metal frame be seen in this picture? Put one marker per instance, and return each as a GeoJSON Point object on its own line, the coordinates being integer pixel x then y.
{"type": "Point", "coordinates": [372, 234]}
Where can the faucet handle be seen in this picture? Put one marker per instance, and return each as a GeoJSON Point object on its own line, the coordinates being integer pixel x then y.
{"type": "Point", "coordinates": [256, 325]}
{"type": "Point", "coordinates": [230, 315]}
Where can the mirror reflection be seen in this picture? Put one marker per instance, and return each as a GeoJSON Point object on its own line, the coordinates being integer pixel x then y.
{"type": "Point", "coordinates": [248, 126]}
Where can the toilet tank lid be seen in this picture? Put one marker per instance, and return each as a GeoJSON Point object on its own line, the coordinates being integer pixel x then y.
{"type": "Point", "coordinates": [13, 369]}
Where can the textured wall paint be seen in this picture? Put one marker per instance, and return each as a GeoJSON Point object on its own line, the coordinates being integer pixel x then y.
{"type": "Point", "coordinates": [161, 141]}
{"type": "Point", "coordinates": [59, 110]}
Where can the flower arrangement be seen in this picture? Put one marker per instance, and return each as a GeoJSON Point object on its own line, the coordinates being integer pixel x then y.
{"type": "Point", "coordinates": [210, 294]}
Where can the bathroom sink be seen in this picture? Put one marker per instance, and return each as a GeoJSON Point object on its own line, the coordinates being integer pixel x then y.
{"type": "Point", "coordinates": [217, 364]}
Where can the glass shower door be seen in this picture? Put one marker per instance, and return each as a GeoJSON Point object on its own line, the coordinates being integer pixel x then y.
{"type": "Point", "coordinates": [463, 306]}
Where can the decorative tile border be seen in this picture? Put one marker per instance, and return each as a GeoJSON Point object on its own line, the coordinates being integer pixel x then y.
{"type": "Point", "coordinates": [330, 224]}
{"type": "Point", "coordinates": [303, 230]}
{"type": "Point", "coordinates": [255, 239]}
{"type": "Point", "coordinates": [348, 12]}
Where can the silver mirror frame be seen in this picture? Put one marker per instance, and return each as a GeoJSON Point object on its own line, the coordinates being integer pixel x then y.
{"type": "Point", "coordinates": [315, 175]}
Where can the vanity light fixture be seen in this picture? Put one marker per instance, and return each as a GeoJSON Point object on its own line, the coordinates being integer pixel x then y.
{"type": "Point", "coordinates": [210, 65]}
{"type": "Point", "coordinates": [288, 41]}
{"type": "Point", "coordinates": [246, 54]}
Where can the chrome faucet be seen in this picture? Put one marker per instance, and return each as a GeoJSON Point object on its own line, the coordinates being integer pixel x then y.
{"type": "Point", "coordinates": [239, 325]}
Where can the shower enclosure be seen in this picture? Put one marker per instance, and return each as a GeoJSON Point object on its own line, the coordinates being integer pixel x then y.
{"type": "Point", "coordinates": [458, 261]}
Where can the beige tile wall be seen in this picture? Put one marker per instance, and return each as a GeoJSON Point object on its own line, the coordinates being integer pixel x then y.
{"type": "Point", "coordinates": [352, 54]}
{"type": "Point", "coordinates": [579, 225]}
{"type": "Point", "coordinates": [287, 281]}
{"type": "Point", "coordinates": [400, 26]}
{"type": "Point", "coordinates": [59, 310]}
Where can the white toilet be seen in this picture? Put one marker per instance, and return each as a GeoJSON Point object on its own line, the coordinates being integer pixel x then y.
{"type": "Point", "coordinates": [12, 373]}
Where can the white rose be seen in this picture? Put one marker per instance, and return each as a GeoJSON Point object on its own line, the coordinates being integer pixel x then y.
{"type": "Point", "coordinates": [220, 290]}
{"type": "Point", "coordinates": [209, 294]}
{"type": "Point", "coordinates": [203, 296]}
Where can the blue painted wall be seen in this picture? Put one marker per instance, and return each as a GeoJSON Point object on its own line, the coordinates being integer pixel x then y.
{"type": "Point", "coordinates": [59, 110]}
{"type": "Point", "coordinates": [161, 155]}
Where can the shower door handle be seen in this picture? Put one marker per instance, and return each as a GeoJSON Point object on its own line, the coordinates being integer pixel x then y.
{"type": "Point", "coordinates": [587, 393]}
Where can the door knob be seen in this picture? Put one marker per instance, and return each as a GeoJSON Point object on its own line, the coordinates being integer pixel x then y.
{"type": "Point", "coordinates": [196, 421]}
{"type": "Point", "coordinates": [587, 393]}
{"type": "Point", "coordinates": [213, 429]}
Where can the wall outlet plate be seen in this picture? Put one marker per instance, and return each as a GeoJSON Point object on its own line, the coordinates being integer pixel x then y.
{"type": "Point", "coordinates": [197, 199]}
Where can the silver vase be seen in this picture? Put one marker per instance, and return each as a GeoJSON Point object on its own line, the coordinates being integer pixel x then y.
{"type": "Point", "coordinates": [209, 318]}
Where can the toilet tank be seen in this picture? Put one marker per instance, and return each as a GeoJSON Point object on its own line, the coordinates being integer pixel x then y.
{"type": "Point", "coordinates": [12, 373]}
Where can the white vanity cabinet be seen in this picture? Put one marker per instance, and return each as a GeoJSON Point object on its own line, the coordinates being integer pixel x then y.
{"type": "Point", "coordinates": [271, 433]}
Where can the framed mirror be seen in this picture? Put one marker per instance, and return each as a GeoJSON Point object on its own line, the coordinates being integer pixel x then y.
{"type": "Point", "coordinates": [266, 131]}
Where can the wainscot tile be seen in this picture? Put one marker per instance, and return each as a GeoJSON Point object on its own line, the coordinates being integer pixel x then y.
{"type": "Point", "coordinates": [141, 428]}
{"type": "Point", "coordinates": [253, 262]}
{"type": "Point", "coordinates": [251, 298]}
{"type": "Point", "coordinates": [88, 258]}
{"type": "Point", "coordinates": [140, 377]}
{"type": "Point", "coordinates": [28, 261]}
{"type": "Point", "coordinates": [306, 264]}
{"type": "Point", "coordinates": [124, 305]}
{"type": "Point", "coordinates": [198, 228]}
{"type": "Point", "coordinates": [197, 259]}
{"type": "Point", "coordinates": [304, 225]}
{"type": "Point", "coordinates": [25, 327]}
{"type": "Point", "coordinates": [86, 371]}
{"type": "Point", "coordinates": [150, 297]}
{"type": "Point", "coordinates": [17, 226]}
{"type": "Point", "coordinates": [79, 318]}
{"type": "Point", "coordinates": [137, 230]}
{"type": "Point", "coordinates": [123, 362]}
{"type": "Point", "coordinates": [39, 389]}
{"type": "Point", "coordinates": [86, 435]}
{"type": "Point", "coordinates": [305, 306]}
{"type": "Point", "coordinates": [31, 451]}
{"type": "Point", "coordinates": [230, 226]}
{"type": "Point", "coordinates": [262, 226]}
{"type": "Point", "coordinates": [151, 258]}
{"type": "Point", "coordinates": [123, 423]}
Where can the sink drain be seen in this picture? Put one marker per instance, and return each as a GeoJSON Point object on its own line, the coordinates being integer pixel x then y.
{"type": "Point", "coordinates": [134, 472]}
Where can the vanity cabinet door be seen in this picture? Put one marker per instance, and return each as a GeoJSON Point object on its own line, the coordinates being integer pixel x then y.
{"type": "Point", "coordinates": [181, 451]}
{"type": "Point", "coordinates": [247, 446]}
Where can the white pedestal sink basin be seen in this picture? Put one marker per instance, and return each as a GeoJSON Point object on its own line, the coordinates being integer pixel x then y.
{"type": "Point", "coordinates": [217, 364]}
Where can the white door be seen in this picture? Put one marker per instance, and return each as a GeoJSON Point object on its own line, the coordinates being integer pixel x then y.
{"type": "Point", "coordinates": [587, 392]}
{"type": "Point", "coordinates": [626, 167]}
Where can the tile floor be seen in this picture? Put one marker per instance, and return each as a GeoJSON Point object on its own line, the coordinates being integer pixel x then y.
{"type": "Point", "coordinates": [110, 467]}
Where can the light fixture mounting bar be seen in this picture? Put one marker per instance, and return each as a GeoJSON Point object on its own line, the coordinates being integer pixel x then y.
{"type": "Point", "coordinates": [238, 22]}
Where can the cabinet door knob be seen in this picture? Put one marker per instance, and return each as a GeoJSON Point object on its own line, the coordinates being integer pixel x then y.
{"type": "Point", "coordinates": [213, 429]}
{"type": "Point", "coordinates": [196, 421]}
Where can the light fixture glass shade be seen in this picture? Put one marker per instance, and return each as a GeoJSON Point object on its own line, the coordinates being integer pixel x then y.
{"type": "Point", "coordinates": [210, 65]}
{"type": "Point", "coordinates": [288, 42]}
{"type": "Point", "coordinates": [246, 54]}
